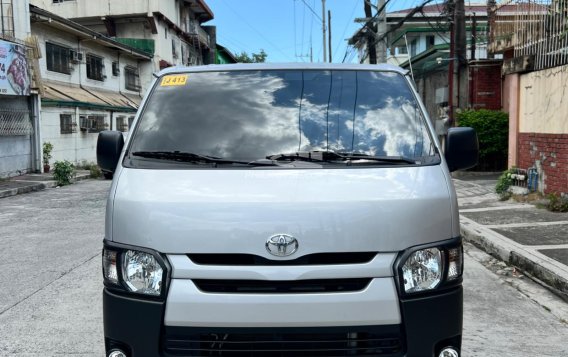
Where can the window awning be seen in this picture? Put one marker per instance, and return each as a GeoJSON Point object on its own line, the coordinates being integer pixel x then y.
{"type": "Point", "coordinates": [61, 94]}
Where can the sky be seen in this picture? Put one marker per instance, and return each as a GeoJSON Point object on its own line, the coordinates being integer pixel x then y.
{"type": "Point", "coordinates": [285, 29]}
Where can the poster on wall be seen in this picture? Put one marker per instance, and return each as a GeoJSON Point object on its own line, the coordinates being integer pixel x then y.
{"type": "Point", "coordinates": [14, 74]}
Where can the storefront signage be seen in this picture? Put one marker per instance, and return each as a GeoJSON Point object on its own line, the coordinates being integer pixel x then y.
{"type": "Point", "coordinates": [14, 73]}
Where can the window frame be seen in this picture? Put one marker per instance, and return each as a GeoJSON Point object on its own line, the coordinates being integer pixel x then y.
{"type": "Point", "coordinates": [61, 64]}
{"type": "Point", "coordinates": [67, 128]}
{"type": "Point", "coordinates": [98, 72]}
{"type": "Point", "coordinates": [93, 123]}
{"type": "Point", "coordinates": [132, 79]}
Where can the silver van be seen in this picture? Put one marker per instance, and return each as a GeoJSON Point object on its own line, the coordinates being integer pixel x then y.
{"type": "Point", "coordinates": [283, 210]}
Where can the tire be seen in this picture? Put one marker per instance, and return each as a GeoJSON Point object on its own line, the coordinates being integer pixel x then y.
{"type": "Point", "coordinates": [107, 175]}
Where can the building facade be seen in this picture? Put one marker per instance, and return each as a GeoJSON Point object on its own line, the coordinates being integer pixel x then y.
{"type": "Point", "coordinates": [171, 31]}
{"type": "Point", "coordinates": [533, 42]}
{"type": "Point", "coordinates": [89, 83]}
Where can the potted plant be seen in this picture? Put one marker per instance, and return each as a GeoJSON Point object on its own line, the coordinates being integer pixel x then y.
{"type": "Point", "coordinates": [47, 148]}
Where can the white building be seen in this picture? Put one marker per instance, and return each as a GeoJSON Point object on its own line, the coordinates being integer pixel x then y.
{"type": "Point", "coordinates": [19, 142]}
{"type": "Point", "coordinates": [170, 30]}
{"type": "Point", "coordinates": [89, 83]}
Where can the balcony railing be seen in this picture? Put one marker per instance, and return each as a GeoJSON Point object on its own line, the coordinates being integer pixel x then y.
{"type": "Point", "coordinates": [535, 29]}
{"type": "Point", "coordinates": [199, 33]}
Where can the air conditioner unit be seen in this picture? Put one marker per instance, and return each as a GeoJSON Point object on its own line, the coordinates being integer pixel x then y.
{"type": "Point", "coordinates": [76, 57]}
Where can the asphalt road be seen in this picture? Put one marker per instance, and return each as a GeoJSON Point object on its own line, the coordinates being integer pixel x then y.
{"type": "Point", "coordinates": [50, 285]}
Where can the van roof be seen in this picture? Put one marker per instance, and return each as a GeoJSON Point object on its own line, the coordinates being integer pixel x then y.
{"type": "Point", "coordinates": [281, 66]}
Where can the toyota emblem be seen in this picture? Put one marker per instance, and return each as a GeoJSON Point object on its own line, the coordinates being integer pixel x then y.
{"type": "Point", "coordinates": [282, 245]}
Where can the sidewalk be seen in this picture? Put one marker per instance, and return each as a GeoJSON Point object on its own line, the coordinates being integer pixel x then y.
{"type": "Point", "coordinates": [33, 182]}
{"type": "Point", "coordinates": [522, 235]}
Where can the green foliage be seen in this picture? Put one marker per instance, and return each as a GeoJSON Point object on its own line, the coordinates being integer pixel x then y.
{"type": "Point", "coordinates": [63, 172]}
{"type": "Point", "coordinates": [492, 129]}
{"type": "Point", "coordinates": [557, 203]}
{"type": "Point", "coordinates": [504, 182]}
{"type": "Point", "coordinates": [95, 171]}
{"type": "Point", "coordinates": [47, 149]}
{"type": "Point", "coordinates": [243, 57]}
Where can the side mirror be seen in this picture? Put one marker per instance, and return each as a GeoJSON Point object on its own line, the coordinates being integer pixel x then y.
{"type": "Point", "coordinates": [109, 147]}
{"type": "Point", "coordinates": [461, 149]}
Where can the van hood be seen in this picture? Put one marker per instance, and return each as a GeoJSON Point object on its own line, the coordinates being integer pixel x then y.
{"type": "Point", "coordinates": [326, 210]}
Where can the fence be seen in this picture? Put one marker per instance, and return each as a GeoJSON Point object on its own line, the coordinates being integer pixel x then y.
{"type": "Point", "coordinates": [537, 28]}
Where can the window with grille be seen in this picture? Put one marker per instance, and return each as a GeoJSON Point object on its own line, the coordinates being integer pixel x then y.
{"type": "Point", "coordinates": [95, 68]}
{"type": "Point", "coordinates": [7, 18]}
{"type": "Point", "coordinates": [132, 78]}
{"type": "Point", "coordinates": [92, 123]}
{"type": "Point", "coordinates": [66, 124]}
{"type": "Point", "coordinates": [130, 121]}
{"type": "Point", "coordinates": [121, 124]}
{"type": "Point", "coordinates": [57, 58]}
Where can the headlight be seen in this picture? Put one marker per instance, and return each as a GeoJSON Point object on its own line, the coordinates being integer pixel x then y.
{"type": "Point", "coordinates": [431, 267]}
{"type": "Point", "coordinates": [422, 270]}
{"type": "Point", "coordinates": [142, 273]}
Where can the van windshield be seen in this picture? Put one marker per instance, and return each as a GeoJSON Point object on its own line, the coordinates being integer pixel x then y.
{"type": "Point", "coordinates": [251, 115]}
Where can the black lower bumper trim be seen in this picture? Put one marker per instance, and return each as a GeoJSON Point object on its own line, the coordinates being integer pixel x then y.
{"type": "Point", "coordinates": [131, 324]}
{"type": "Point", "coordinates": [430, 323]}
{"type": "Point", "coordinates": [433, 322]}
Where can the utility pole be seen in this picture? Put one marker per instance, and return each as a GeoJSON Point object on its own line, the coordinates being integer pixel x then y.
{"type": "Point", "coordinates": [457, 91]}
{"type": "Point", "coordinates": [451, 78]}
{"type": "Point", "coordinates": [329, 33]}
{"type": "Point", "coordinates": [323, 28]}
{"type": "Point", "coordinates": [371, 48]}
{"type": "Point", "coordinates": [381, 30]}
{"type": "Point", "coordinates": [460, 54]}
{"type": "Point", "coordinates": [490, 25]}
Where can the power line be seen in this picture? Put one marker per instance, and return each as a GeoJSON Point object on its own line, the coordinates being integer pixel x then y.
{"type": "Point", "coordinates": [395, 27]}
{"type": "Point", "coordinates": [255, 30]}
{"type": "Point", "coordinates": [312, 10]}
{"type": "Point", "coordinates": [345, 30]}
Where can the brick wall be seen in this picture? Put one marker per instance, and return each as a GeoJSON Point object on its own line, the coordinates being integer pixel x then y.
{"type": "Point", "coordinates": [549, 154]}
{"type": "Point", "coordinates": [485, 85]}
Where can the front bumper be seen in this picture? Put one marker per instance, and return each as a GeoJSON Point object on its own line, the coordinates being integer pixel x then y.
{"type": "Point", "coordinates": [429, 324]}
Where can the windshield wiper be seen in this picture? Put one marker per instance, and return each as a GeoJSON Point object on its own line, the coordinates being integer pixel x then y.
{"type": "Point", "coordinates": [195, 158]}
{"type": "Point", "coordinates": [326, 156]}
{"type": "Point", "coordinates": [393, 159]}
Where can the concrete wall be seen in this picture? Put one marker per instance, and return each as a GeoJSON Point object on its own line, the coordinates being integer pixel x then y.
{"type": "Point", "coordinates": [511, 106]}
{"type": "Point", "coordinates": [99, 8]}
{"type": "Point", "coordinates": [427, 88]}
{"type": "Point", "coordinates": [78, 147]}
{"type": "Point", "coordinates": [543, 127]}
{"type": "Point", "coordinates": [21, 19]}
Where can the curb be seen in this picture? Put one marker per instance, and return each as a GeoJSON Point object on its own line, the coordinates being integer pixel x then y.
{"type": "Point", "coordinates": [36, 186]}
{"type": "Point", "coordinates": [545, 270]}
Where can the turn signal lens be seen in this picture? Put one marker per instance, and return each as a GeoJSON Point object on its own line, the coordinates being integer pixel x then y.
{"type": "Point", "coordinates": [455, 264]}
{"type": "Point", "coordinates": [109, 266]}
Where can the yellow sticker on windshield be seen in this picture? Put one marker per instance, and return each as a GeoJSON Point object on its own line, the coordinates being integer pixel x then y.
{"type": "Point", "coordinates": [174, 80]}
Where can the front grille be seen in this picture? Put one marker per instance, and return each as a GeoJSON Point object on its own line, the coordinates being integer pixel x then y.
{"type": "Point", "coordinates": [281, 287]}
{"type": "Point", "coordinates": [310, 259]}
{"type": "Point", "coordinates": [329, 342]}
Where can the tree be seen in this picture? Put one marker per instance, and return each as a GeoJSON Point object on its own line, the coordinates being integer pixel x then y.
{"type": "Point", "coordinates": [243, 57]}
